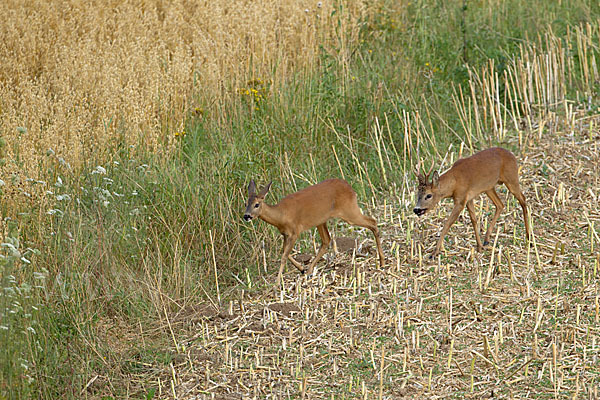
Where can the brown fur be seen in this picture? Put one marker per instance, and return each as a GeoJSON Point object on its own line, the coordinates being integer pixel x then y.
{"type": "Point", "coordinates": [467, 179]}
{"type": "Point", "coordinates": [307, 208]}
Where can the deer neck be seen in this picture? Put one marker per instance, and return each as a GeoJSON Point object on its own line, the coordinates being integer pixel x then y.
{"type": "Point", "coordinates": [272, 215]}
{"type": "Point", "coordinates": [447, 185]}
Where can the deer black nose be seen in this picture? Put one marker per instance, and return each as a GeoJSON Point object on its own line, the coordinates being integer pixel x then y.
{"type": "Point", "coordinates": [247, 217]}
{"type": "Point", "coordinates": [419, 211]}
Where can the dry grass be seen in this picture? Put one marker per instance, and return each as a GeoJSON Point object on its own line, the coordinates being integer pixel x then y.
{"type": "Point", "coordinates": [82, 77]}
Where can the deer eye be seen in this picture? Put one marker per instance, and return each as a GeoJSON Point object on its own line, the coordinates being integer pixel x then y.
{"type": "Point", "coordinates": [256, 205]}
{"type": "Point", "coordinates": [428, 196]}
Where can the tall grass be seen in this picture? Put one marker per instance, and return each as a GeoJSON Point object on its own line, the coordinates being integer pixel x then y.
{"type": "Point", "coordinates": [82, 78]}
{"type": "Point", "coordinates": [154, 140]}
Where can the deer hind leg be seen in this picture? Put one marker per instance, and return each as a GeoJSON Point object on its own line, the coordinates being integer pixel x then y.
{"type": "Point", "coordinates": [515, 189]}
{"type": "Point", "coordinates": [493, 195]}
{"type": "Point", "coordinates": [325, 240]}
{"type": "Point", "coordinates": [288, 244]}
{"type": "Point", "coordinates": [355, 217]}
{"type": "Point", "coordinates": [458, 207]}
{"type": "Point", "coordinates": [471, 210]}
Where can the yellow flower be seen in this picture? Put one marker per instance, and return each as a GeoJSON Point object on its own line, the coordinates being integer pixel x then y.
{"type": "Point", "coordinates": [180, 134]}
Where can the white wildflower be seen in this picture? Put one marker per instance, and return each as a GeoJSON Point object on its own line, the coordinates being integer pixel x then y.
{"type": "Point", "coordinates": [99, 170]}
{"type": "Point", "coordinates": [13, 250]}
{"type": "Point", "coordinates": [39, 275]}
{"type": "Point", "coordinates": [55, 211]}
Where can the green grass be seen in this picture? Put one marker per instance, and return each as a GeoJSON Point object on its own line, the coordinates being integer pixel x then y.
{"type": "Point", "coordinates": [133, 241]}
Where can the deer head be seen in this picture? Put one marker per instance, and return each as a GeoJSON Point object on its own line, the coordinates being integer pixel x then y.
{"type": "Point", "coordinates": [427, 192]}
{"type": "Point", "coordinates": [255, 201]}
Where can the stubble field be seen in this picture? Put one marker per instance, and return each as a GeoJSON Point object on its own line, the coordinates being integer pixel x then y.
{"type": "Point", "coordinates": [516, 321]}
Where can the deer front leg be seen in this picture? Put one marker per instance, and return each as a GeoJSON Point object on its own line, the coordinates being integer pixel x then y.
{"type": "Point", "coordinates": [325, 240]}
{"type": "Point", "coordinates": [296, 263]}
{"type": "Point", "coordinates": [458, 207]}
{"type": "Point", "coordinates": [288, 244]}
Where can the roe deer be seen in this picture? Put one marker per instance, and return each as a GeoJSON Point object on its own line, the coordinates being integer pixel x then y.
{"type": "Point", "coordinates": [305, 209]}
{"type": "Point", "coordinates": [464, 181]}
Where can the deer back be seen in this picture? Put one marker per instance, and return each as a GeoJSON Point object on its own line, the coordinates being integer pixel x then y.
{"type": "Point", "coordinates": [316, 204]}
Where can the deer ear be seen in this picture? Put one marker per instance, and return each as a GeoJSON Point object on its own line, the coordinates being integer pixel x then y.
{"type": "Point", "coordinates": [263, 192]}
{"type": "Point", "coordinates": [435, 179]}
{"type": "Point", "coordinates": [251, 188]}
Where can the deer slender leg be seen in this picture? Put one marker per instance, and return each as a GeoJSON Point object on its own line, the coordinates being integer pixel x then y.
{"type": "Point", "coordinates": [325, 240]}
{"type": "Point", "coordinates": [378, 242]}
{"type": "Point", "coordinates": [458, 207]}
{"type": "Point", "coordinates": [471, 210]}
{"type": "Point", "coordinates": [515, 189]}
{"type": "Point", "coordinates": [292, 260]}
{"type": "Point", "coordinates": [493, 195]}
{"type": "Point", "coordinates": [356, 217]}
{"type": "Point", "coordinates": [296, 263]}
{"type": "Point", "coordinates": [288, 244]}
